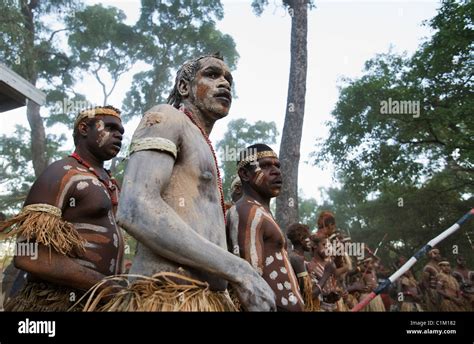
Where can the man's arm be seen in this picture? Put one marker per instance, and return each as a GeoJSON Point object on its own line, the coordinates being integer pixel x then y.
{"type": "Point", "coordinates": [49, 264]}
{"type": "Point", "coordinates": [144, 214]}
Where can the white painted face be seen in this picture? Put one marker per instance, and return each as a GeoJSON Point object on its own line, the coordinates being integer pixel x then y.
{"type": "Point", "coordinates": [103, 134]}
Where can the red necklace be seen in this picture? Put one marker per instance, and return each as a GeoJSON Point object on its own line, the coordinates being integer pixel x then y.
{"type": "Point", "coordinates": [219, 180]}
{"type": "Point", "coordinates": [111, 185]}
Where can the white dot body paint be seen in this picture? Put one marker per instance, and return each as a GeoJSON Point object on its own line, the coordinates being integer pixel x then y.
{"type": "Point", "coordinates": [112, 265]}
{"type": "Point", "coordinates": [280, 286]}
{"type": "Point", "coordinates": [96, 182]}
{"type": "Point", "coordinates": [81, 169]}
{"type": "Point", "coordinates": [284, 301]}
{"type": "Point", "coordinates": [293, 299]}
{"type": "Point", "coordinates": [283, 270]}
{"type": "Point", "coordinates": [269, 260]}
{"type": "Point", "coordinates": [82, 185]}
{"type": "Point", "coordinates": [115, 240]}
{"type": "Point", "coordinates": [273, 275]}
{"type": "Point", "coordinates": [287, 285]}
{"type": "Point", "coordinates": [67, 167]}
{"type": "Point", "coordinates": [279, 256]}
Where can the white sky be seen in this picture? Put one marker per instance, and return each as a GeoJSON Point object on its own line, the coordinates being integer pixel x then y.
{"type": "Point", "coordinates": [342, 35]}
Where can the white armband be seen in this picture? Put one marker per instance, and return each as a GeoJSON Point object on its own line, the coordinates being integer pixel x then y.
{"type": "Point", "coordinates": [154, 143]}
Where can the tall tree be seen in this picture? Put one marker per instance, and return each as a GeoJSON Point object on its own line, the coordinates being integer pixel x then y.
{"type": "Point", "coordinates": [172, 32]}
{"type": "Point", "coordinates": [287, 201]}
{"type": "Point", "coordinates": [31, 48]}
{"type": "Point", "coordinates": [102, 45]}
{"type": "Point", "coordinates": [238, 136]}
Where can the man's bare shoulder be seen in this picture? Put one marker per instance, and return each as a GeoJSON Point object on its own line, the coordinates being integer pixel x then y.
{"type": "Point", "coordinates": [48, 184]}
{"type": "Point", "coordinates": [163, 121]}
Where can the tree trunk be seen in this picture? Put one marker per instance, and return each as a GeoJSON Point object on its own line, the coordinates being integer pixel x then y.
{"type": "Point", "coordinates": [38, 138]}
{"type": "Point", "coordinates": [287, 201]}
{"type": "Point", "coordinates": [38, 134]}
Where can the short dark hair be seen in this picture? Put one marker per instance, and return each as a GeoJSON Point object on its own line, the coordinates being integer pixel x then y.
{"type": "Point", "coordinates": [297, 232]}
{"type": "Point", "coordinates": [187, 72]}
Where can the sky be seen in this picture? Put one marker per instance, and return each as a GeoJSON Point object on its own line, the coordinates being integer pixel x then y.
{"type": "Point", "coordinates": [342, 36]}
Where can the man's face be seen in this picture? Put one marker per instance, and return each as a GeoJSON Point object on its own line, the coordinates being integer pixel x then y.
{"type": "Point", "coordinates": [435, 255]}
{"type": "Point", "coordinates": [104, 137]}
{"type": "Point", "coordinates": [461, 261]}
{"type": "Point", "coordinates": [210, 91]}
{"type": "Point", "coordinates": [266, 178]}
{"type": "Point", "coordinates": [236, 193]}
{"type": "Point", "coordinates": [446, 268]}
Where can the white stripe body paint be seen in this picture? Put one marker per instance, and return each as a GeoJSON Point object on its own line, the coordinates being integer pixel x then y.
{"type": "Point", "coordinates": [76, 178]}
{"type": "Point", "coordinates": [85, 263]}
{"type": "Point", "coordinates": [91, 227]}
{"type": "Point", "coordinates": [256, 222]}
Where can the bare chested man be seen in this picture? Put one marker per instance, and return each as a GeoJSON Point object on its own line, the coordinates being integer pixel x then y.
{"type": "Point", "coordinates": [69, 214]}
{"type": "Point", "coordinates": [451, 299]}
{"type": "Point", "coordinates": [465, 278]}
{"type": "Point", "coordinates": [173, 204]}
{"type": "Point", "coordinates": [430, 281]}
{"type": "Point", "coordinates": [254, 235]}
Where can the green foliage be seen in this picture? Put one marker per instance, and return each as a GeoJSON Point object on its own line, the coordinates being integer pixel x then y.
{"type": "Point", "coordinates": [408, 175]}
{"type": "Point", "coordinates": [370, 148]}
{"type": "Point", "coordinates": [16, 172]}
{"type": "Point", "coordinates": [171, 33]}
{"type": "Point", "coordinates": [308, 212]}
{"type": "Point", "coordinates": [238, 136]}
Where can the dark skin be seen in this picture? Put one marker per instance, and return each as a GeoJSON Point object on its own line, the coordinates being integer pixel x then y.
{"type": "Point", "coordinates": [319, 256]}
{"type": "Point", "coordinates": [209, 93]}
{"type": "Point", "coordinates": [260, 182]}
{"type": "Point", "coordinates": [99, 140]}
{"type": "Point", "coordinates": [297, 256]}
{"type": "Point", "coordinates": [453, 295]}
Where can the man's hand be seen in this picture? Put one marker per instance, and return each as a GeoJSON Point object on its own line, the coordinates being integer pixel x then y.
{"type": "Point", "coordinates": [254, 293]}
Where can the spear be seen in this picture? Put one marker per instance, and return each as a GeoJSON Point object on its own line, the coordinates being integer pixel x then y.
{"type": "Point", "coordinates": [469, 239]}
{"type": "Point", "coordinates": [422, 252]}
{"type": "Point", "coordinates": [380, 244]}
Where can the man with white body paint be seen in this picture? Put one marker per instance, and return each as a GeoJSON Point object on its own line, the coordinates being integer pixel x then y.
{"type": "Point", "coordinates": [172, 203]}
{"type": "Point", "coordinates": [70, 213]}
{"type": "Point", "coordinates": [253, 234]}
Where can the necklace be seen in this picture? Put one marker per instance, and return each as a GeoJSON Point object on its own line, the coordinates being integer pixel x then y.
{"type": "Point", "coordinates": [209, 143]}
{"type": "Point", "coordinates": [111, 185]}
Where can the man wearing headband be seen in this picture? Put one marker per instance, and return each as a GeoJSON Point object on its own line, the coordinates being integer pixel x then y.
{"type": "Point", "coordinates": [68, 219]}
{"type": "Point", "coordinates": [252, 232]}
{"type": "Point", "coordinates": [173, 204]}
{"type": "Point", "coordinates": [448, 289]}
